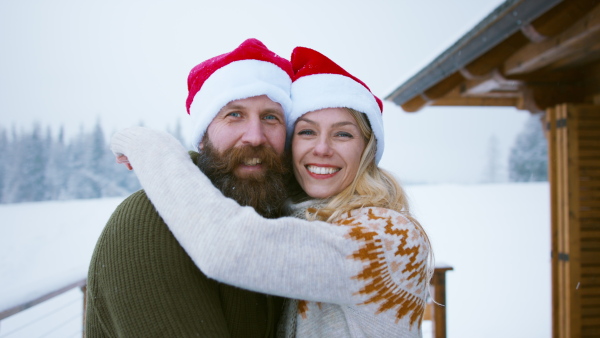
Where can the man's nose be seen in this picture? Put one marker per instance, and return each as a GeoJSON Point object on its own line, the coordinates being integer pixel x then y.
{"type": "Point", "coordinates": [254, 134]}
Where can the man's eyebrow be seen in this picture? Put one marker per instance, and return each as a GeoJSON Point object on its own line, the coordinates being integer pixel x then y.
{"type": "Point", "coordinates": [233, 106]}
{"type": "Point", "coordinates": [242, 107]}
{"type": "Point", "coordinates": [273, 110]}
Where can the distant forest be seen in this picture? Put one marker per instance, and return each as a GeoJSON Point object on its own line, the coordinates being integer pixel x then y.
{"type": "Point", "coordinates": [37, 165]}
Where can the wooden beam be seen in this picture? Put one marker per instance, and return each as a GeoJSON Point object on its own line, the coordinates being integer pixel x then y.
{"type": "Point", "coordinates": [493, 81]}
{"type": "Point", "coordinates": [572, 42]}
{"type": "Point", "coordinates": [477, 101]}
{"type": "Point", "coordinates": [547, 95]}
{"type": "Point", "coordinates": [444, 86]}
{"type": "Point", "coordinates": [495, 57]}
{"type": "Point", "coordinates": [563, 15]}
{"type": "Point", "coordinates": [414, 104]}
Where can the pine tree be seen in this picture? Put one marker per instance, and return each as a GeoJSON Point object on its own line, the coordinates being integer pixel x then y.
{"type": "Point", "coordinates": [32, 167]}
{"type": "Point", "coordinates": [36, 167]}
{"type": "Point", "coordinates": [79, 185]}
{"type": "Point", "coordinates": [12, 175]}
{"type": "Point", "coordinates": [492, 172]}
{"type": "Point", "coordinates": [528, 161]}
{"type": "Point", "coordinates": [58, 168]}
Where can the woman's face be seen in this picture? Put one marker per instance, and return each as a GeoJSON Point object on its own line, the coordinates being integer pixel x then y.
{"type": "Point", "coordinates": [326, 149]}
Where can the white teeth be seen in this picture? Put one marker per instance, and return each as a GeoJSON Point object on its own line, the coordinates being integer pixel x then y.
{"type": "Point", "coordinates": [252, 161]}
{"type": "Point", "coordinates": [322, 170]}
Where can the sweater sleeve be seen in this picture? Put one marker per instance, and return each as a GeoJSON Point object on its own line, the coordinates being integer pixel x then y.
{"type": "Point", "coordinates": [128, 296]}
{"type": "Point", "coordinates": [288, 257]}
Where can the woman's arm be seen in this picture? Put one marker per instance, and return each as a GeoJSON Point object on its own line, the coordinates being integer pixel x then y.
{"type": "Point", "coordinates": [233, 244]}
{"type": "Point", "coordinates": [340, 263]}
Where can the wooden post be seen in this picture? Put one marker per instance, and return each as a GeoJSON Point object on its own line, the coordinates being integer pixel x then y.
{"type": "Point", "coordinates": [439, 295]}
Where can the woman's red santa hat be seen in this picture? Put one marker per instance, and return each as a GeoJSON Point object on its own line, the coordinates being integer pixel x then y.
{"type": "Point", "coordinates": [320, 83]}
{"type": "Point", "coordinates": [249, 70]}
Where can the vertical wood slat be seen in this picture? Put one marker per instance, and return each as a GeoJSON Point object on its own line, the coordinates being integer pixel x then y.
{"type": "Point", "coordinates": [573, 134]}
{"type": "Point", "coordinates": [550, 122]}
{"type": "Point", "coordinates": [589, 220]}
{"type": "Point", "coordinates": [562, 267]}
{"type": "Point", "coordinates": [573, 225]}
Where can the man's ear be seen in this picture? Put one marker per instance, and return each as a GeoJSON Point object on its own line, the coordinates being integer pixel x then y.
{"type": "Point", "coordinates": [201, 145]}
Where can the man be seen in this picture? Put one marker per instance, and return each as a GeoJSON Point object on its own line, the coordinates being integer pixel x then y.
{"type": "Point", "coordinates": [141, 283]}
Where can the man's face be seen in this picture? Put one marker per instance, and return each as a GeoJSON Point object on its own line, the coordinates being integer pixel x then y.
{"type": "Point", "coordinates": [252, 122]}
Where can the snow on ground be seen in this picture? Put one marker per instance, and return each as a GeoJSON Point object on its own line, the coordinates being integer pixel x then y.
{"type": "Point", "coordinates": [496, 237]}
{"type": "Point", "coordinates": [47, 245]}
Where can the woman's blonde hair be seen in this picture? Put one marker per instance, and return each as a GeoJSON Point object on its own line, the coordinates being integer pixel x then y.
{"type": "Point", "coordinates": [372, 187]}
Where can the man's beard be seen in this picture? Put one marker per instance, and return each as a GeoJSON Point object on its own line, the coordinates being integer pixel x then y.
{"type": "Point", "coordinates": [265, 192]}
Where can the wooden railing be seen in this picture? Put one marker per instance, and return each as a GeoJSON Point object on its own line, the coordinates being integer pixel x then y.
{"type": "Point", "coordinates": [434, 312]}
{"type": "Point", "coordinates": [436, 307]}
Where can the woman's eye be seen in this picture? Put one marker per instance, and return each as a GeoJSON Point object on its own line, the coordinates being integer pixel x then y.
{"type": "Point", "coordinates": [344, 134]}
{"type": "Point", "coordinates": [306, 132]}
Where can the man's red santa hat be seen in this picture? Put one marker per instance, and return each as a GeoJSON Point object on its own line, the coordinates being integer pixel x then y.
{"type": "Point", "coordinates": [320, 83]}
{"type": "Point", "coordinates": [249, 70]}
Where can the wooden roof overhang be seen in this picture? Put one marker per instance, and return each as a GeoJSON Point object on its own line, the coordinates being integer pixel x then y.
{"type": "Point", "coordinates": [529, 54]}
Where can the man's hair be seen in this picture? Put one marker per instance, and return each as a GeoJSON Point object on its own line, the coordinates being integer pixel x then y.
{"type": "Point", "coordinates": [265, 193]}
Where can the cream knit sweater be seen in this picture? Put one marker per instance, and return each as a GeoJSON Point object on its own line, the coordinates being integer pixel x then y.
{"type": "Point", "coordinates": [363, 275]}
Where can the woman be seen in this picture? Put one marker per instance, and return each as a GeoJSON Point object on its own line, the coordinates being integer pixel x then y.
{"type": "Point", "coordinates": [361, 265]}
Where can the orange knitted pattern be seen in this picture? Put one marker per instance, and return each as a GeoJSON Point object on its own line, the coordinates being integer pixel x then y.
{"type": "Point", "coordinates": [389, 261]}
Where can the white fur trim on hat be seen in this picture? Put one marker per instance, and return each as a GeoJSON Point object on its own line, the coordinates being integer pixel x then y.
{"type": "Point", "coordinates": [320, 91]}
{"type": "Point", "coordinates": [237, 80]}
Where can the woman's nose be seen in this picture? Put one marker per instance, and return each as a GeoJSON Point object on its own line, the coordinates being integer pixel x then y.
{"type": "Point", "coordinates": [323, 148]}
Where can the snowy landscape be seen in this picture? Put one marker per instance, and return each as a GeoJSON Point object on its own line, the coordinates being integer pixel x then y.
{"type": "Point", "coordinates": [495, 236]}
{"type": "Point", "coordinates": [69, 81]}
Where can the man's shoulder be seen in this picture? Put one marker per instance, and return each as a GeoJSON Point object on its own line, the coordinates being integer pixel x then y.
{"type": "Point", "coordinates": [135, 205]}
{"type": "Point", "coordinates": [135, 215]}
{"type": "Point", "coordinates": [138, 197]}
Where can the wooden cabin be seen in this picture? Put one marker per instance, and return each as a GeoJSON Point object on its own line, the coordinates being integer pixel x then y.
{"type": "Point", "coordinates": [542, 56]}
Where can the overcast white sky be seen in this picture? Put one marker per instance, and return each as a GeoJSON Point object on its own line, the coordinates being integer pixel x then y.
{"type": "Point", "coordinates": [72, 62]}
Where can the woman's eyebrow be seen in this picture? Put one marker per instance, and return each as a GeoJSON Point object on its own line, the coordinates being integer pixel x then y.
{"type": "Point", "coordinates": [344, 123]}
{"type": "Point", "coordinates": [305, 120]}
{"type": "Point", "coordinates": [335, 125]}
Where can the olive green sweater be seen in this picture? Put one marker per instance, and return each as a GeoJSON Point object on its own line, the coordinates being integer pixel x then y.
{"type": "Point", "coordinates": [141, 283]}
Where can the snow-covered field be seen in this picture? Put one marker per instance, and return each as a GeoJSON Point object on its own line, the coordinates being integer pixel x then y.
{"type": "Point", "coordinates": [496, 237]}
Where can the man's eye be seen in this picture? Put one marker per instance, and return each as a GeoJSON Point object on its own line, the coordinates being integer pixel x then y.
{"type": "Point", "coordinates": [271, 117]}
{"type": "Point", "coordinates": [235, 114]}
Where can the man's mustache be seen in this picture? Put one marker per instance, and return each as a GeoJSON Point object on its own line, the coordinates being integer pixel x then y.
{"type": "Point", "coordinates": [236, 156]}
